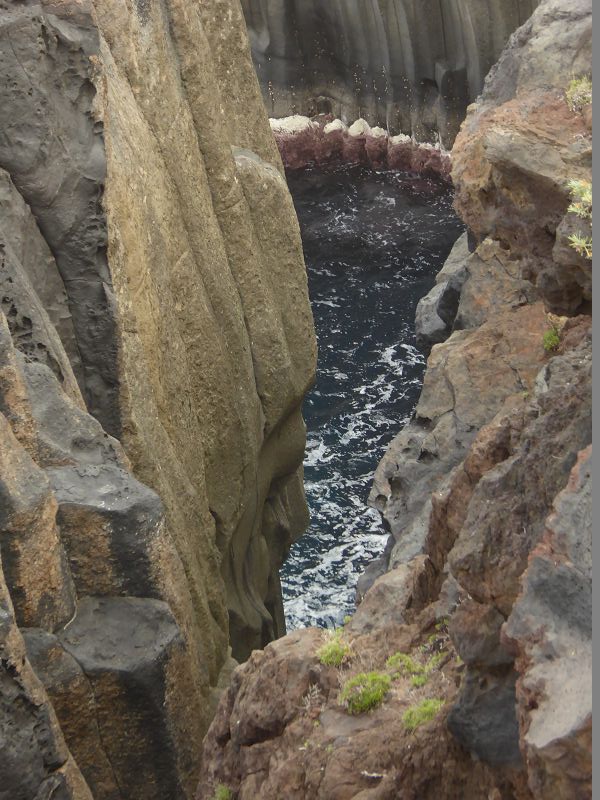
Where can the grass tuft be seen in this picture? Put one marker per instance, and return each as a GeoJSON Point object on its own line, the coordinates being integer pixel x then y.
{"type": "Point", "coordinates": [425, 711]}
{"type": "Point", "coordinates": [222, 792]}
{"type": "Point", "coordinates": [403, 664]}
{"type": "Point", "coordinates": [579, 93]}
{"type": "Point", "coordinates": [365, 691]}
{"type": "Point", "coordinates": [551, 340]}
{"type": "Point", "coordinates": [335, 651]}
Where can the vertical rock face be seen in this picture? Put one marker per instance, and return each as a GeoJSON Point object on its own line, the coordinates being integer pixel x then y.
{"type": "Point", "coordinates": [486, 493]}
{"type": "Point", "coordinates": [156, 342]}
{"type": "Point", "coordinates": [412, 67]}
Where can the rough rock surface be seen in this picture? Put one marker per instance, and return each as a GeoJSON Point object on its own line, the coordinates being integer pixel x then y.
{"type": "Point", "coordinates": [34, 757]}
{"type": "Point", "coordinates": [156, 342]}
{"type": "Point", "coordinates": [410, 67]}
{"type": "Point", "coordinates": [486, 493]}
{"type": "Point", "coordinates": [550, 631]}
{"type": "Point", "coordinates": [520, 146]}
{"type": "Point", "coordinates": [281, 730]}
{"type": "Point", "coordinates": [304, 141]}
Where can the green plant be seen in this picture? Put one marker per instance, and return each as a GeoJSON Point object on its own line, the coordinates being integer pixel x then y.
{"type": "Point", "coordinates": [551, 340]}
{"type": "Point", "coordinates": [581, 206]}
{"type": "Point", "coordinates": [581, 196]}
{"type": "Point", "coordinates": [579, 93]}
{"type": "Point", "coordinates": [425, 711]}
{"type": "Point", "coordinates": [347, 619]}
{"type": "Point", "coordinates": [365, 691]}
{"type": "Point", "coordinates": [419, 680]}
{"type": "Point", "coordinates": [222, 792]}
{"type": "Point", "coordinates": [435, 661]}
{"type": "Point", "coordinates": [403, 664]}
{"type": "Point", "coordinates": [335, 651]}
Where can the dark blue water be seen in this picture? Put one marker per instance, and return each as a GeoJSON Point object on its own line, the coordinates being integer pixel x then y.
{"type": "Point", "coordinates": [373, 242]}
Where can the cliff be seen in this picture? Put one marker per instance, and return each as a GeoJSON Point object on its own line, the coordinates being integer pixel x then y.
{"type": "Point", "coordinates": [156, 342]}
{"type": "Point", "coordinates": [410, 67]}
{"type": "Point", "coordinates": [466, 669]}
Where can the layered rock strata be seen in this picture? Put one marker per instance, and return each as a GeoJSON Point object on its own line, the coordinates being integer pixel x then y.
{"type": "Point", "coordinates": [303, 142]}
{"type": "Point", "coordinates": [485, 586]}
{"type": "Point", "coordinates": [156, 342]}
{"type": "Point", "coordinates": [409, 67]}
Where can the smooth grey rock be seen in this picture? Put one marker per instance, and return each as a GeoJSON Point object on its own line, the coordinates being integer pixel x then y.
{"type": "Point", "coordinates": [72, 698]}
{"type": "Point", "coordinates": [484, 720]}
{"type": "Point", "coordinates": [65, 433]}
{"type": "Point", "coordinates": [430, 328]}
{"type": "Point", "coordinates": [110, 524]}
{"type": "Point", "coordinates": [130, 649]}
{"type": "Point", "coordinates": [52, 146]}
{"type": "Point", "coordinates": [437, 311]}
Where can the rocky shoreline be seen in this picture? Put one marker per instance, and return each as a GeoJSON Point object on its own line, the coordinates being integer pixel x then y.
{"type": "Point", "coordinates": [484, 591]}
{"type": "Point", "coordinates": [304, 141]}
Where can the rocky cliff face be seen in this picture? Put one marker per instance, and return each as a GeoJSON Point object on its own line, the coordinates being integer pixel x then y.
{"type": "Point", "coordinates": [474, 618]}
{"type": "Point", "coordinates": [411, 67]}
{"type": "Point", "coordinates": [156, 342]}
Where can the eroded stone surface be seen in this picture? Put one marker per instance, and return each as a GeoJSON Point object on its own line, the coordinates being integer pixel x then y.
{"type": "Point", "coordinates": [550, 631]}
{"type": "Point", "coordinates": [151, 273]}
{"type": "Point", "coordinates": [35, 759]}
{"type": "Point", "coordinates": [379, 60]}
{"type": "Point", "coordinates": [521, 145]}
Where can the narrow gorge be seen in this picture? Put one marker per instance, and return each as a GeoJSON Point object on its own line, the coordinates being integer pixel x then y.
{"type": "Point", "coordinates": [235, 564]}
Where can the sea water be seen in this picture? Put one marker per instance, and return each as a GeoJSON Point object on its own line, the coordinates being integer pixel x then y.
{"type": "Point", "coordinates": [373, 243]}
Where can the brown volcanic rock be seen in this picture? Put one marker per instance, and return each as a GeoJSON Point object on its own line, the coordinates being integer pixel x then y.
{"type": "Point", "coordinates": [73, 700]}
{"type": "Point", "coordinates": [550, 631]}
{"type": "Point", "coordinates": [280, 731]}
{"type": "Point", "coordinates": [491, 554]}
{"type": "Point", "coordinates": [469, 377]}
{"type": "Point", "coordinates": [521, 144]}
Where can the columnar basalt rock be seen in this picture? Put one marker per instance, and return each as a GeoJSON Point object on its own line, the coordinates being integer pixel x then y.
{"type": "Point", "coordinates": [486, 493]}
{"type": "Point", "coordinates": [410, 67]}
{"type": "Point", "coordinates": [156, 342]}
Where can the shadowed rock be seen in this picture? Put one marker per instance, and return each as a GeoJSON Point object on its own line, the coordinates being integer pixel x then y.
{"type": "Point", "coordinates": [133, 654]}
{"type": "Point", "coordinates": [411, 68]}
{"type": "Point", "coordinates": [35, 760]}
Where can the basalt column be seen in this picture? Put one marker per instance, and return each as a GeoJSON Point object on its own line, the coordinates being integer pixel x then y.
{"type": "Point", "coordinates": [155, 348]}
{"type": "Point", "coordinates": [411, 66]}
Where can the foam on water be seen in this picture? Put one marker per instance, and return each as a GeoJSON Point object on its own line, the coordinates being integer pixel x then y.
{"type": "Point", "coordinates": [373, 243]}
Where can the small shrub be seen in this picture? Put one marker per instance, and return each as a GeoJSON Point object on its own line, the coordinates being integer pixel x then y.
{"type": "Point", "coordinates": [403, 664]}
{"type": "Point", "coordinates": [313, 699]}
{"type": "Point", "coordinates": [222, 792]}
{"type": "Point", "coordinates": [579, 93]}
{"type": "Point", "coordinates": [365, 691]}
{"type": "Point", "coordinates": [581, 197]}
{"type": "Point", "coordinates": [551, 340]}
{"type": "Point", "coordinates": [581, 244]}
{"type": "Point", "coordinates": [581, 206]}
{"type": "Point", "coordinates": [425, 711]}
{"type": "Point", "coordinates": [419, 680]}
{"type": "Point", "coordinates": [335, 651]}
{"type": "Point", "coordinates": [435, 661]}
